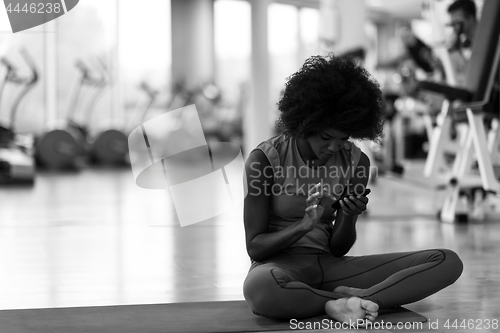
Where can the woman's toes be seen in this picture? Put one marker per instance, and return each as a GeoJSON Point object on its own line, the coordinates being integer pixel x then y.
{"type": "Point", "coordinates": [370, 317]}
{"type": "Point", "coordinates": [369, 305]}
{"type": "Point", "coordinates": [373, 314]}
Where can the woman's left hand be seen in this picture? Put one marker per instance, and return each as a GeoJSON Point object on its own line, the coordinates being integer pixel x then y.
{"type": "Point", "coordinates": [353, 205]}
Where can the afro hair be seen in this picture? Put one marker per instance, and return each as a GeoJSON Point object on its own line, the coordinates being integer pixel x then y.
{"type": "Point", "coordinates": [331, 92]}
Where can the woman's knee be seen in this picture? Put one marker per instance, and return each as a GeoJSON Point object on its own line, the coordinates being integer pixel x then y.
{"type": "Point", "coordinates": [453, 265]}
{"type": "Point", "coordinates": [252, 289]}
{"type": "Point", "coordinates": [263, 292]}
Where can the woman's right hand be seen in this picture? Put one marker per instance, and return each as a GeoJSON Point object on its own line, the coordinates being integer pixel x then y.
{"type": "Point", "coordinates": [315, 208]}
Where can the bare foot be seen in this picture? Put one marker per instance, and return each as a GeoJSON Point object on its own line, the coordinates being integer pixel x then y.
{"type": "Point", "coordinates": [348, 291]}
{"type": "Point", "coordinates": [354, 310]}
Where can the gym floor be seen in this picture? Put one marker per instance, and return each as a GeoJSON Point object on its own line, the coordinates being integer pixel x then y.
{"type": "Point", "coordinates": [94, 238]}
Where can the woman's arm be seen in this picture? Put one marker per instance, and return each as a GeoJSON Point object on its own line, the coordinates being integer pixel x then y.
{"type": "Point", "coordinates": [344, 229]}
{"type": "Point", "coordinates": [260, 243]}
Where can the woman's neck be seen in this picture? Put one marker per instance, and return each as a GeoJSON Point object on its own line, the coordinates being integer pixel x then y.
{"type": "Point", "coordinates": [307, 154]}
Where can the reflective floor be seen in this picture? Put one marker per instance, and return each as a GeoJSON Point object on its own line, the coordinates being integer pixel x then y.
{"type": "Point", "coordinates": [95, 238]}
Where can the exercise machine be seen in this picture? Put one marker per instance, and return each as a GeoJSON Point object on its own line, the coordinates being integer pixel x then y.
{"type": "Point", "coordinates": [108, 143]}
{"type": "Point", "coordinates": [64, 145]}
{"type": "Point", "coordinates": [17, 163]}
{"type": "Point", "coordinates": [472, 179]}
{"type": "Point", "coordinates": [95, 87]}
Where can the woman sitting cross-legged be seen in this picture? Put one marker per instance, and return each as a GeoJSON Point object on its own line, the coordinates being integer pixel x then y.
{"type": "Point", "coordinates": [297, 241]}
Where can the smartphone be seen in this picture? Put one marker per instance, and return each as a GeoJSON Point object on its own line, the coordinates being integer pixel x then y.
{"type": "Point", "coordinates": [336, 204]}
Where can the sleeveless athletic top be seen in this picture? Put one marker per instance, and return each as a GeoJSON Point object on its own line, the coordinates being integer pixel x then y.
{"type": "Point", "coordinates": [292, 180]}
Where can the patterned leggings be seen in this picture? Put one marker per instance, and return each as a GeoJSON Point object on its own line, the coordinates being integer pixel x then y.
{"type": "Point", "coordinates": [297, 283]}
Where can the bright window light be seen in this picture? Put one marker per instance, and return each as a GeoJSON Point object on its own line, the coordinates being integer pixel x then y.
{"type": "Point", "coordinates": [232, 29]}
{"type": "Point", "coordinates": [283, 27]}
{"type": "Point", "coordinates": [309, 18]}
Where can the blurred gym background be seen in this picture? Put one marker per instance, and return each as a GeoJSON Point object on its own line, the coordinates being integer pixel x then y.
{"type": "Point", "coordinates": [76, 230]}
{"type": "Point", "coordinates": [113, 64]}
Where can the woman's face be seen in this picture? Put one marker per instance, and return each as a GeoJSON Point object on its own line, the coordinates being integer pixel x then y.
{"type": "Point", "coordinates": [327, 142]}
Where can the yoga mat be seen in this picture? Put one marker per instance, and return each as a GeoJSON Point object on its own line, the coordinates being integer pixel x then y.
{"type": "Point", "coordinates": [202, 317]}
